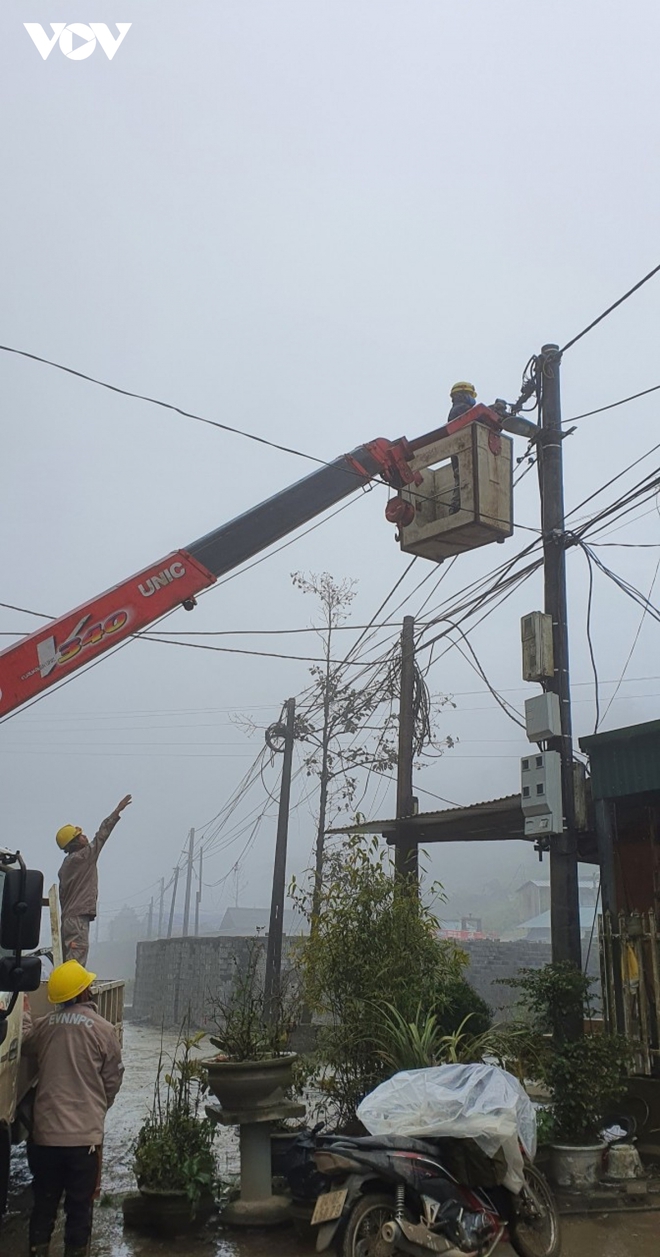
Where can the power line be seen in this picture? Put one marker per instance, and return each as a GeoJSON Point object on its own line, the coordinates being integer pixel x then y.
{"type": "Point", "coordinates": [569, 344]}
{"type": "Point", "coordinates": [24, 610]}
{"type": "Point", "coordinates": [154, 401]}
{"type": "Point", "coordinates": [599, 410]}
{"type": "Point", "coordinates": [589, 638]}
{"type": "Point", "coordinates": [236, 650]}
{"type": "Point", "coordinates": [618, 476]}
{"type": "Point", "coordinates": [635, 641]}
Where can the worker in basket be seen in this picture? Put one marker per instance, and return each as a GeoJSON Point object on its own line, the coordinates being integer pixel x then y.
{"type": "Point", "coordinates": [79, 882]}
{"type": "Point", "coordinates": [79, 1067]}
{"type": "Point", "coordinates": [463, 398]}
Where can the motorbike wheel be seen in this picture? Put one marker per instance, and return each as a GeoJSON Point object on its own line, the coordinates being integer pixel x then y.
{"type": "Point", "coordinates": [535, 1229]}
{"type": "Point", "coordinates": [5, 1159]}
{"type": "Point", "coordinates": [362, 1237]}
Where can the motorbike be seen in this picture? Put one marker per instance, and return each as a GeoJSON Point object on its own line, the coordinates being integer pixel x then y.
{"type": "Point", "coordinates": [379, 1196]}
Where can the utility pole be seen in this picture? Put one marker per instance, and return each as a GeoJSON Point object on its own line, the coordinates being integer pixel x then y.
{"type": "Point", "coordinates": [174, 888]}
{"type": "Point", "coordinates": [564, 891]}
{"type": "Point", "coordinates": [274, 949]}
{"type": "Point", "coordinates": [198, 896]}
{"type": "Point", "coordinates": [189, 873]}
{"type": "Point", "coordinates": [150, 918]}
{"type": "Point", "coordinates": [161, 906]}
{"type": "Point", "coordinates": [405, 852]}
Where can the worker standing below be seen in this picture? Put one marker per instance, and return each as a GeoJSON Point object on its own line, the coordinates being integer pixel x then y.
{"type": "Point", "coordinates": [79, 882]}
{"type": "Point", "coordinates": [463, 398]}
{"type": "Point", "coordinates": [78, 1060]}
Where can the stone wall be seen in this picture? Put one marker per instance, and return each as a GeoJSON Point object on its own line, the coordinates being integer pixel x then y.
{"type": "Point", "coordinates": [177, 976]}
{"type": "Point", "coordinates": [490, 961]}
{"type": "Point", "coordinates": [174, 975]}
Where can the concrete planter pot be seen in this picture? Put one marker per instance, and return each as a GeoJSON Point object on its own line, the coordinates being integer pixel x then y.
{"type": "Point", "coordinates": [245, 1085]}
{"type": "Point", "coordinates": [577, 1168]}
{"type": "Point", "coordinates": [165, 1213]}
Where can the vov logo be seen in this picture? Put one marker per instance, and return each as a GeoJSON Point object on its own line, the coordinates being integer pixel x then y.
{"type": "Point", "coordinates": [77, 40]}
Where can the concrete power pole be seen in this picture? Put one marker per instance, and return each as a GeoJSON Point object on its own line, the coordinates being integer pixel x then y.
{"type": "Point", "coordinates": [198, 896]}
{"type": "Point", "coordinates": [564, 890]}
{"type": "Point", "coordinates": [150, 918]}
{"type": "Point", "coordinates": [275, 928]}
{"type": "Point", "coordinates": [174, 889]}
{"type": "Point", "coordinates": [405, 852]}
{"type": "Point", "coordinates": [161, 906]}
{"type": "Point", "coordinates": [189, 873]}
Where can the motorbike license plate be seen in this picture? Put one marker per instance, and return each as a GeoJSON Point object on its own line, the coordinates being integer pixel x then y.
{"type": "Point", "coordinates": [329, 1206]}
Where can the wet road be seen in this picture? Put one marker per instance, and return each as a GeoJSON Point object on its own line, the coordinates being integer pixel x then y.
{"type": "Point", "coordinates": [616, 1235]}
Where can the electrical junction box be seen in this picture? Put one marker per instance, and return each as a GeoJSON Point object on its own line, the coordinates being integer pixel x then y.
{"type": "Point", "coordinates": [538, 662]}
{"type": "Point", "coordinates": [540, 792]}
{"type": "Point", "coordinates": [542, 717]}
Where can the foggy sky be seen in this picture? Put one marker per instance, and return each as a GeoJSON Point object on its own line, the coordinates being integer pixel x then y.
{"type": "Point", "coordinates": [305, 219]}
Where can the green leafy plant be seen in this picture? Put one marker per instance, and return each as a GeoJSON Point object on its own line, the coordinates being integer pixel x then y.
{"type": "Point", "coordinates": [421, 1042]}
{"type": "Point", "coordinates": [586, 1078]}
{"type": "Point", "coordinates": [585, 1073]}
{"type": "Point", "coordinates": [244, 1030]}
{"type": "Point", "coordinates": [550, 995]}
{"type": "Point", "coordinates": [370, 936]}
{"type": "Point", "coordinates": [174, 1148]}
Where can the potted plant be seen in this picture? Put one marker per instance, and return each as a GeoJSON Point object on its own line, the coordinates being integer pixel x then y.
{"type": "Point", "coordinates": [253, 1067]}
{"type": "Point", "coordinates": [584, 1075]}
{"type": "Point", "coordinates": [173, 1158]}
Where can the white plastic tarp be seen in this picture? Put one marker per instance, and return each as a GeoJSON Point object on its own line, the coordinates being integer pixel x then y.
{"type": "Point", "coordinates": [480, 1102]}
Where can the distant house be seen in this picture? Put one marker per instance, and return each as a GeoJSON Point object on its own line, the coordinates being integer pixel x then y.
{"type": "Point", "coordinates": [537, 928]}
{"type": "Point", "coordinates": [533, 898]}
{"type": "Point", "coordinates": [248, 922]}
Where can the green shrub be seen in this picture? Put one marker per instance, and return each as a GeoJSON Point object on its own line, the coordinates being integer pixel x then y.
{"type": "Point", "coordinates": [460, 1000]}
{"type": "Point", "coordinates": [370, 941]}
{"type": "Point", "coordinates": [585, 1073]}
{"type": "Point", "coordinates": [585, 1078]}
{"type": "Point", "coordinates": [174, 1148]}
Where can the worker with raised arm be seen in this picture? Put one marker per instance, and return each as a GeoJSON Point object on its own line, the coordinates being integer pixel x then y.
{"type": "Point", "coordinates": [79, 882]}
{"type": "Point", "coordinates": [79, 1066]}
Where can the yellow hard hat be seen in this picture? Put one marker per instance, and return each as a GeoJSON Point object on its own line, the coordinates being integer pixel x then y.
{"type": "Point", "coordinates": [68, 981]}
{"type": "Point", "coordinates": [66, 834]}
{"type": "Point", "coordinates": [463, 387]}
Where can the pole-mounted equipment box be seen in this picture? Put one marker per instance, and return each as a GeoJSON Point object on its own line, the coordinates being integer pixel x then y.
{"type": "Point", "coordinates": [542, 717]}
{"type": "Point", "coordinates": [540, 792]}
{"type": "Point", "coordinates": [537, 651]}
{"type": "Point", "coordinates": [465, 498]}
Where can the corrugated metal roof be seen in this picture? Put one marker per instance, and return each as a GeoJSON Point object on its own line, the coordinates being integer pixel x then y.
{"type": "Point", "coordinates": [625, 761]}
{"type": "Point", "coordinates": [492, 821]}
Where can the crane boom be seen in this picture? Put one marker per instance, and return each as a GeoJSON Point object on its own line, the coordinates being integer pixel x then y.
{"type": "Point", "coordinates": [59, 647]}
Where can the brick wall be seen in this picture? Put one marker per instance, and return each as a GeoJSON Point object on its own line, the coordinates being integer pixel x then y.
{"type": "Point", "coordinates": [174, 975]}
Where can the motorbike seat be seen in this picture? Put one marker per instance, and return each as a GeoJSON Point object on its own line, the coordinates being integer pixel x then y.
{"type": "Point", "coordinates": [394, 1143]}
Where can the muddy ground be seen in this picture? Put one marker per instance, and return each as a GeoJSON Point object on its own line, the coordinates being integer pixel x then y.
{"type": "Point", "coordinates": [616, 1235]}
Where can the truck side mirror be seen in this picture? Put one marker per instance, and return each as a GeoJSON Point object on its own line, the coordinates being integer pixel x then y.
{"type": "Point", "coordinates": [25, 976]}
{"type": "Point", "coordinates": [20, 915]}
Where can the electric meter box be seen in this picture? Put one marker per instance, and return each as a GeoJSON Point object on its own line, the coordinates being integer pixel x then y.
{"type": "Point", "coordinates": [542, 717]}
{"type": "Point", "coordinates": [537, 653]}
{"type": "Point", "coordinates": [466, 499]}
{"type": "Point", "coordinates": [540, 793]}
